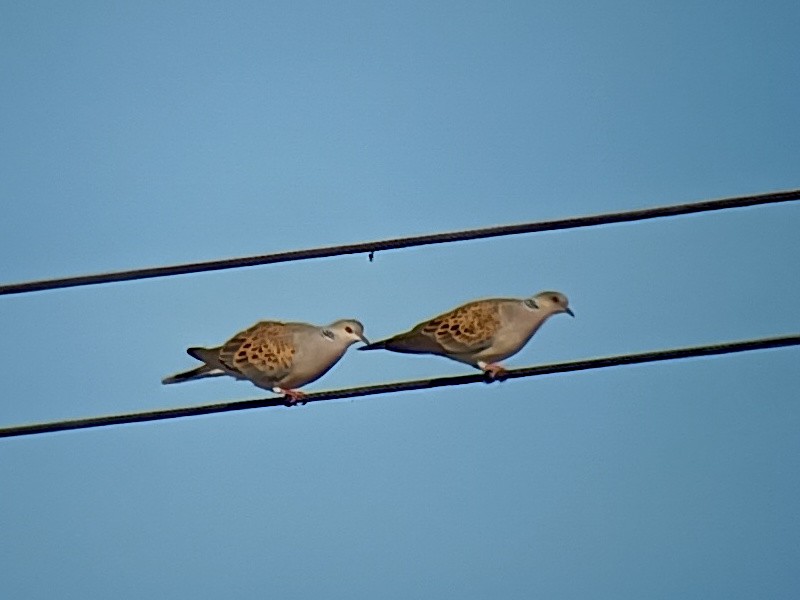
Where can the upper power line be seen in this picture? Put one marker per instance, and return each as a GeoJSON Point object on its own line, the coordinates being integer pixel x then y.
{"type": "Point", "coordinates": [404, 242]}
{"type": "Point", "coordinates": [403, 386]}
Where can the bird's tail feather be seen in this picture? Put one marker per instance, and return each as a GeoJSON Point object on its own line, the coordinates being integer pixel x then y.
{"type": "Point", "coordinates": [207, 355]}
{"type": "Point", "coordinates": [374, 346]}
{"type": "Point", "coordinates": [200, 372]}
{"type": "Point", "coordinates": [406, 343]}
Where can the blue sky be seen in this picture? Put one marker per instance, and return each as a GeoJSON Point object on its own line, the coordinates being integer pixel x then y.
{"type": "Point", "coordinates": [158, 133]}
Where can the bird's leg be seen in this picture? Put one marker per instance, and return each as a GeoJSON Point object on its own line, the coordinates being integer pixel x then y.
{"type": "Point", "coordinates": [293, 397]}
{"type": "Point", "coordinates": [493, 370]}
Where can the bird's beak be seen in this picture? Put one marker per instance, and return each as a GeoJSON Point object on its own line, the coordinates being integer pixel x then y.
{"type": "Point", "coordinates": [363, 339]}
{"type": "Point", "coordinates": [569, 312]}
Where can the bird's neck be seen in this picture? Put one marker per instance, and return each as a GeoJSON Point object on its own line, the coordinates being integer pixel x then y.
{"type": "Point", "coordinates": [531, 320]}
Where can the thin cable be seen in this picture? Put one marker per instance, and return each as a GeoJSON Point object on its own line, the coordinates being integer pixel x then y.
{"type": "Point", "coordinates": [370, 248]}
{"type": "Point", "coordinates": [404, 386]}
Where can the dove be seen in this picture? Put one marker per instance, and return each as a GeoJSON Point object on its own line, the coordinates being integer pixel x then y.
{"type": "Point", "coordinates": [277, 356]}
{"type": "Point", "coordinates": [480, 333]}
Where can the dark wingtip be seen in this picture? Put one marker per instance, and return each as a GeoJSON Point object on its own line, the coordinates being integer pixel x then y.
{"type": "Point", "coordinates": [195, 352]}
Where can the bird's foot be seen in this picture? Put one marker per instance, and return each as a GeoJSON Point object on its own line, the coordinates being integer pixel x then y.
{"type": "Point", "coordinates": [292, 397]}
{"type": "Point", "coordinates": [493, 371]}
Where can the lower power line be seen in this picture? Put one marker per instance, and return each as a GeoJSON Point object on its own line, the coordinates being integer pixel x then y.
{"type": "Point", "coordinates": [404, 386]}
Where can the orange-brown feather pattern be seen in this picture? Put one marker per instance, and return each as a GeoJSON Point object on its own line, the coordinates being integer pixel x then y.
{"type": "Point", "coordinates": [465, 328]}
{"type": "Point", "coordinates": [263, 348]}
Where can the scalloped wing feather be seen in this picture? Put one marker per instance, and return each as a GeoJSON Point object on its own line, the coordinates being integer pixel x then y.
{"type": "Point", "coordinates": [467, 329]}
{"type": "Point", "coordinates": [464, 330]}
{"type": "Point", "coordinates": [263, 353]}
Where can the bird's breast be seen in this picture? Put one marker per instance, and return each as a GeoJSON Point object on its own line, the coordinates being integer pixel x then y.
{"type": "Point", "coordinates": [508, 341]}
{"type": "Point", "coordinates": [310, 366]}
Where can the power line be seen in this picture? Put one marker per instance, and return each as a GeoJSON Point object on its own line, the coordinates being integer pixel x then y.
{"type": "Point", "coordinates": [404, 386]}
{"type": "Point", "coordinates": [404, 242]}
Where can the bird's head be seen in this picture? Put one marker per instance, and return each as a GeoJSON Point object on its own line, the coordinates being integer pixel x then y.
{"type": "Point", "coordinates": [550, 302]}
{"type": "Point", "coordinates": [349, 330]}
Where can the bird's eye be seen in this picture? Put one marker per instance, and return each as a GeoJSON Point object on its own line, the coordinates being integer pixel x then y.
{"type": "Point", "coordinates": [554, 299]}
{"type": "Point", "coordinates": [348, 329]}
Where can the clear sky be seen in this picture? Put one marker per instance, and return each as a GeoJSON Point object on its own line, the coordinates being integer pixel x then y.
{"type": "Point", "coordinates": [135, 134]}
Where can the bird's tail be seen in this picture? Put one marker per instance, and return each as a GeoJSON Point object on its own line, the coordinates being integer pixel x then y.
{"type": "Point", "coordinates": [207, 355]}
{"type": "Point", "coordinates": [406, 343]}
{"type": "Point", "coordinates": [198, 373]}
{"type": "Point", "coordinates": [381, 345]}
{"type": "Point", "coordinates": [201, 372]}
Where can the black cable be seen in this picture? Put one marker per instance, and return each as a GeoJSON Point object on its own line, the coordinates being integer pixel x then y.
{"type": "Point", "coordinates": [405, 242]}
{"type": "Point", "coordinates": [404, 386]}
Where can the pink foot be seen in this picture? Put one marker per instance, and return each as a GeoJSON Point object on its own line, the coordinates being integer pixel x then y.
{"type": "Point", "coordinates": [293, 397]}
{"type": "Point", "coordinates": [493, 370]}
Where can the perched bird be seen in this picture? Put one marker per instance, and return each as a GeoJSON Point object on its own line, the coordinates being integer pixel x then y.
{"type": "Point", "coordinates": [277, 356]}
{"type": "Point", "coordinates": [479, 333]}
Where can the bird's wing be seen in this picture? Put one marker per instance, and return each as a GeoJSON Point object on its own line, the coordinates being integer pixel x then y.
{"type": "Point", "coordinates": [464, 330]}
{"type": "Point", "coordinates": [263, 353]}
